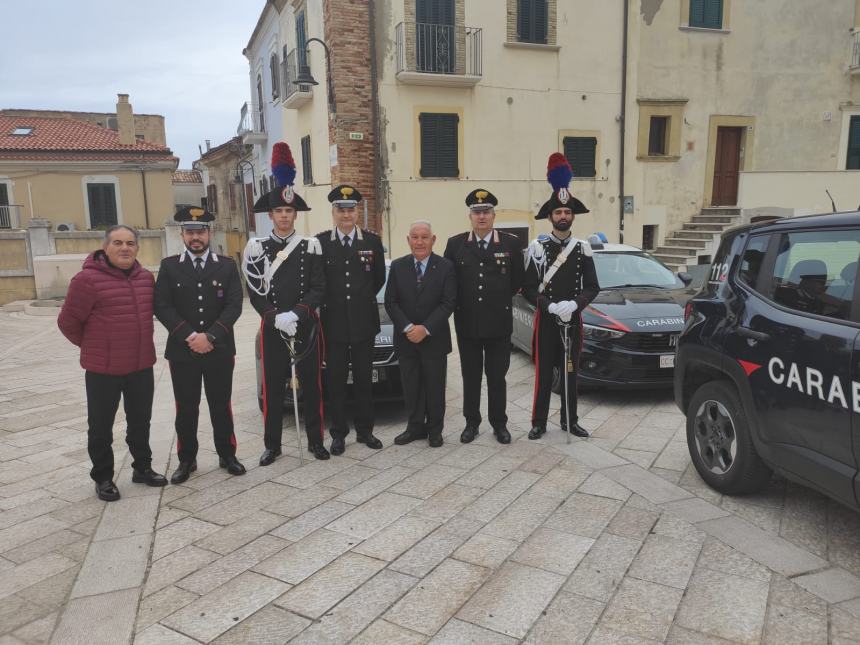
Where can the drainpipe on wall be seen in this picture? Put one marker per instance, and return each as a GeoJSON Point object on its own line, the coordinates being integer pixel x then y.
{"type": "Point", "coordinates": [623, 121]}
{"type": "Point", "coordinates": [374, 115]}
{"type": "Point", "coordinates": [145, 203]}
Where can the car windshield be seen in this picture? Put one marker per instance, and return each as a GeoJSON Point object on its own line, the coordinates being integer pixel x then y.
{"type": "Point", "coordinates": [633, 269]}
{"type": "Point", "coordinates": [384, 318]}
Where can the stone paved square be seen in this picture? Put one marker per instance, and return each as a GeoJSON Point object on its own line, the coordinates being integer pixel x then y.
{"type": "Point", "coordinates": [612, 539]}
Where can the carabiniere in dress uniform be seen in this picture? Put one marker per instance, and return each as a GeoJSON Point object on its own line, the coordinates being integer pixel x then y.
{"type": "Point", "coordinates": [560, 282]}
{"type": "Point", "coordinates": [354, 272]}
{"type": "Point", "coordinates": [489, 268]}
{"type": "Point", "coordinates": [286, 282]}
{"type": "Point", "coordinates": [198, 298]}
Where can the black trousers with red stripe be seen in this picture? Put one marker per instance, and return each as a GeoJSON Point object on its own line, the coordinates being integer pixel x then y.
{"type": "Point", "coordinates": [548, 354]}
{"type": "Point", "coordinates": [215, 374]}
{"type": "Point", "coordinates": [276, 372]}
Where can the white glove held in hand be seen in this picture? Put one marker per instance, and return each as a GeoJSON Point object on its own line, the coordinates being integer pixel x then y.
{"type": "Point", "coordinates": [287, 323]}
{"type": "Point", "coordinates": [553, 308]}
{"type": "Point", "coordinates": [563, 309]}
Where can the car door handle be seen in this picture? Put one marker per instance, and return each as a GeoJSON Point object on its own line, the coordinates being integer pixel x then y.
{"type": "Point", "coordinates": [752, 333]}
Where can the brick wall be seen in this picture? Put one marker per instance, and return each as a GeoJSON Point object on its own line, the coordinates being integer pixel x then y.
{"type": "Point", "coordinates": [347, 32]}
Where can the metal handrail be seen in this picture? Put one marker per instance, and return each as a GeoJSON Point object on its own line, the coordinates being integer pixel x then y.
{"type": "Point", "coordinates": [10, 216]}
{"type": "Point", "coordinates": [855, 50]}
{"type": "Point", "coordinates": [291, 71]}
{"type": "Point", "coordinates": [249, 120]}
{"type": "Point", "coordinates": [438, 49]}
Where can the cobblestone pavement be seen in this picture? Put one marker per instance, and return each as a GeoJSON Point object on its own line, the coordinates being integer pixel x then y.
{"type": "Point", "coordinates": [611, 540]}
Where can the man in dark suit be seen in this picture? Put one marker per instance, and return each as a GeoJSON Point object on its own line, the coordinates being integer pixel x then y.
{"type": "Point", "coordinates": [420, 296]}
{"type": "Point", "coordinates": [489, 266]}
{"type": "Point", "coordinates": [354, 263]}
{"type": "Point", "coordinates": [198, 298]}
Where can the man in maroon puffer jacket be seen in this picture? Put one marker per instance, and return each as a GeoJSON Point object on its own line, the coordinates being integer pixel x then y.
{"type": "Point", "coordinates": [108, 314]}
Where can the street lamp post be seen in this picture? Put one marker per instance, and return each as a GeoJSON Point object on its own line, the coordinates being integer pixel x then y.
{"type": "Point", "coordinates": [305, 77]}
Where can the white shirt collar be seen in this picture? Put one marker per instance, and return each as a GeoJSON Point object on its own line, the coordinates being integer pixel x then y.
{"type": "Point", "coordinates": [351, 235]}
{"type": "Point", "coordinates": [564, 241]}
{"type": "Point", "coordinates": [192, 257]}
{"type": "Point", "coordinates": [282, 240]}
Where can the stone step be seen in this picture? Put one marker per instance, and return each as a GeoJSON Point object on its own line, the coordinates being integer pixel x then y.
{"type": "Point", "coordinates": [677, 250]}
{"type": "Point", "coordinates": [705, 236]}
{"type": "Point", "coordinates": [686, 243]}
{"type": "Point", "coordinates": [672, 258]}
{"type": "Point", "coordinates": [721, 210]}
{"type": "Point", "coordinates": [715, 228]}
{"type": "Point", "coordinates": [714, 219]}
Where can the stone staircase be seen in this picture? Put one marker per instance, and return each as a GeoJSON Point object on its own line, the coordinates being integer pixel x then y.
{"type": "Point", "coordinates": [697, 238]}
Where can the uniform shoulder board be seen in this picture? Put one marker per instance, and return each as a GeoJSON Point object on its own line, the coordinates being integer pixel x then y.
{"type": "Point", "coordinates": [586, 248]}
{"type": "Point", "coordinates": [314, 246]}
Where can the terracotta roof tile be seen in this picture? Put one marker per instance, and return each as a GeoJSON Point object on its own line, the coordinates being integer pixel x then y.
{"type": "Point", "coordinates": [68, 139]}
{"type": "Point", "coordinates": [185, 176]}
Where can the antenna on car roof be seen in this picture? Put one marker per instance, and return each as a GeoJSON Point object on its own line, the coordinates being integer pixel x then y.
{"type": "Point", "coordinates": [832, 203]}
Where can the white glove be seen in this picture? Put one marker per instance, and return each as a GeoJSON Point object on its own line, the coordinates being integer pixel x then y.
{"type": "Point", "coordinates": [563, 309]}
{"type": "Point", "coordinates": [287, 323]}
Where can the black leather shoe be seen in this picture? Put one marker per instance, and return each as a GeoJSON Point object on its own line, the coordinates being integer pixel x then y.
{"type": "Point", "coordinates": [435, 441]}
{"type": "Point", "coordinates": [183, 471]}
{"type": "Point", "coordinates": [148, 477]}
{"type": "Point", "coordinates": [268, 457]}
{"type": "Point", "coordinates": [318, 450]}
{"type": "Point", "coordinates": [233, 465]}
{"type": "Point", "coordinates": [502, 435]}
{"type": "Point", "coordinates": [338, 445]}
{"type": "Point", "coordinates": [408, 437]}
{"type": "Point", "coordinates": [107, 491]}
{"type": "Point", "coordinates": [537, 432]}
{"type": "Point", "coordinates": [370, 441]}
{"type": "Point", "coordinates": [469, 433]}
{"type": "Point", "coordinates": [579, 431]}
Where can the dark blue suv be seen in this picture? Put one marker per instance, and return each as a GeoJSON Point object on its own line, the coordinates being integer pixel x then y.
{"type": "Point", "coordinates": [767, 369]}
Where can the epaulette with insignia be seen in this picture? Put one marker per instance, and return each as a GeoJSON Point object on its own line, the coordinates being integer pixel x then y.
{"type": "Point", "coordinates": [314, 246]}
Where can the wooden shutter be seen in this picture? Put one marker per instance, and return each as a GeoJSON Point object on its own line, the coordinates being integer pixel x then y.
{"type": "Point", "coordinates": [102, 201]}
{"type": "Point", "coordinates": [707, 14]}
{"type": "Point", "coordinates": [853, 160]}
{"type": "Point", "coordinates": [581, 153]}
{"type": "Point", "coordinates": [301, 37]}
{"type": "Point", "coordinates": [532, 21]}
{"type": "Point", "coordinates": [307, 165]}
{"type": "Point", "coordinates": [659, 126]}
{"type": "Point", "coordinates": [435, 12]}
{"type": "Point", "coordinates": [439, 145]}
{"type": "Point", "coordinates": [212, 198]}
{"type": "Point", "coordinates": [4, 195]}
{"type": "Point", "coordinates": [276, 81]}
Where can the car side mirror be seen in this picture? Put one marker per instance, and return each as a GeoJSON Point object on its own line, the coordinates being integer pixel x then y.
{"type": "Point", "coordinates": [685, 277]}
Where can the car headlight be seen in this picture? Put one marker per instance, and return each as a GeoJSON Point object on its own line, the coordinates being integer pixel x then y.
{"type": "Point", "coordinates": [601, 333]}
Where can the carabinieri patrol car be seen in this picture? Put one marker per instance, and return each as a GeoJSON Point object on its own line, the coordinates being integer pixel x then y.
{"type": "Point", "coordinates": [630, 329]}
{"type": "Point", "coordinates": [768, 365]}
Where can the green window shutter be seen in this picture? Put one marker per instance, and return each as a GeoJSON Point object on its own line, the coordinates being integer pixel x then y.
{"type": "Point", "coordinates": [853, 161]}
{"type": "Point", "coordinates": [439, 153]}
{"type": "Point", "coordinates": [707, 14]}
{"type": "Point", "coordinates": [434, 12]}
{"type": "Point", "coordinates": [581, 155]}
{"type": "Point", "coordinates": [532, 21]}
{"type": "Point", "coordinates": [307, 166]}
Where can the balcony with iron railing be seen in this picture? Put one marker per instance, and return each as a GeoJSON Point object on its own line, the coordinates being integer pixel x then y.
{"type": "Point", "coordinates": [295, 95]}
{"type": "Point", "coordinates": [10, 216]}
{"type": "Point", "coordinates": [448, 55]}
{"type": "Point", "coordinates": [854, 63]}
{"type": "Point", "coordinates": [252, 125]}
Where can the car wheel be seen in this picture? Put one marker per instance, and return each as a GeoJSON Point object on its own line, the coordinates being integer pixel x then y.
{"type": "Point", "coordinates": [719, 441]}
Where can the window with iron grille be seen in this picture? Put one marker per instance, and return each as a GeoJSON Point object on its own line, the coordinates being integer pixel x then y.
{"type": "Point", "coordinates": [706, 14]}
{"type": "Point", "coordinates": [532, 21]}
{"type": "Point", "coordinates": [276, 80]}
{"type": "Point", "coordinates": [439, 144]}
{"type": "Point", "coordinates": [307, 165]}
{"type": "Point", "coordinates": [581, 153]}
{"type": "Point", "coordinates": [657, 133]}
{"type": "Point", "coordinates": [101, 199]}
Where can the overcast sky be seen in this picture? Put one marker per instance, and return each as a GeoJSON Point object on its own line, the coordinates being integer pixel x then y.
{"type": "Point", "coordinates": [178, 58]}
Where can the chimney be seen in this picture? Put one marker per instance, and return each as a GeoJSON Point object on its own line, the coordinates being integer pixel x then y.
{"type": "Point", "coordinates": [208, 145]}
{"type": "Point", "coordinates": [125, 120]}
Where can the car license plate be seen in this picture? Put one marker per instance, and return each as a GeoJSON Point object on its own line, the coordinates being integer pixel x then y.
{"type": "Point", "coordinates": [667, 360]}
{"type": "Point", "coordinates": [374, 377]}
